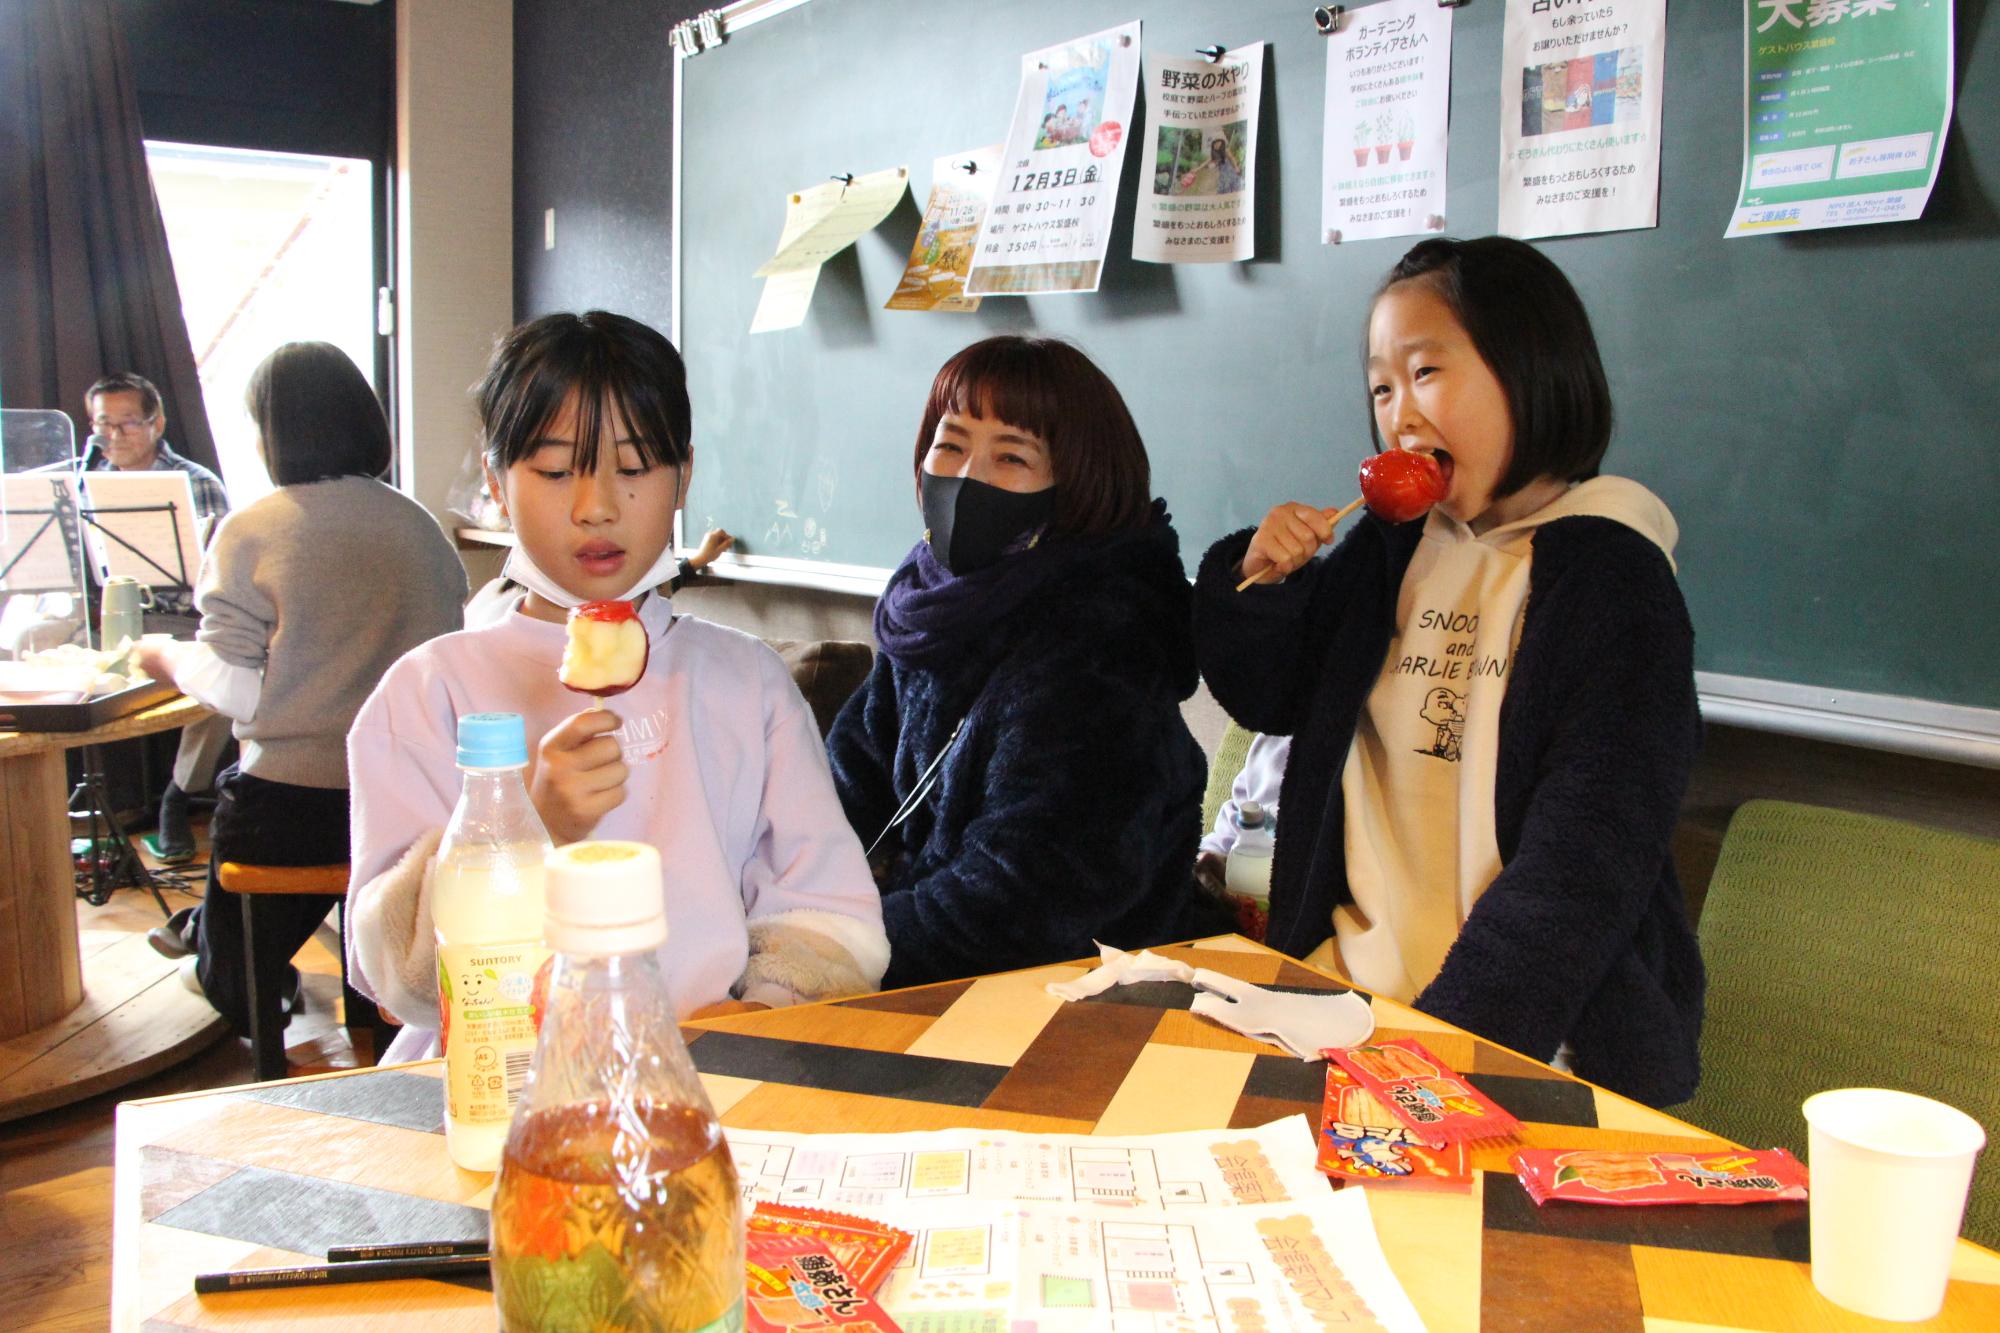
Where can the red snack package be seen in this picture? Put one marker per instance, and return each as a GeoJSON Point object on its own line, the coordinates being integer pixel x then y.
{"type": "Point", "coordinates": [793, 1285]}
{"type": "Point", "coordinates": [1728, 1175]}
{"type": "Point", "coordinates": [1361, 1141]}
{"type": "Point", "coordinates": [1423, 1092]}
{"type": "Point", "coordinates": [868, 1250]}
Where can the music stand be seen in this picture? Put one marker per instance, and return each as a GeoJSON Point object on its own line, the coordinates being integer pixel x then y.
{"type": "Point", "coordinates": [142, 525]}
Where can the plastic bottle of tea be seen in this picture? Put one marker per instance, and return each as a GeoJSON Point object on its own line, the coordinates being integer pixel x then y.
{"type": "Point", "coordinates": [617, 1205]}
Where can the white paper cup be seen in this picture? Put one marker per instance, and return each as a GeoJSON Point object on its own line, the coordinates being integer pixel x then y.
{"type": "Point", "coordinates": [1890, 1171]}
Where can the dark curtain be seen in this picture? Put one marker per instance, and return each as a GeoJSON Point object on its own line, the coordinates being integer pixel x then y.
{"type": "Point", "coordinates": [86, 283]}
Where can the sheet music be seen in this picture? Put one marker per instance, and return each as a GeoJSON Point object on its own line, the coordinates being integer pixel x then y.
{"type": "Point", "coordinates": [46, 562]}
{"type": "Point", "coordinates": [155, 544]}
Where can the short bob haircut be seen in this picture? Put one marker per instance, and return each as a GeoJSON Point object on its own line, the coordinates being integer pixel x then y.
{"type": "Point", "coordinates": [615, 365]}
{"type": "Point", "coordinates": [1530, 327]}
{"type": "Point", "coordinates": [316, 417]}
{"type": "Point", "coordinates": [1103, 483]}
{"type": "Point", "coordinates": [126, 382]}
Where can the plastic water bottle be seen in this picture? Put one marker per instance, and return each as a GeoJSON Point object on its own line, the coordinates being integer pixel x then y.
{"type": "Point", "coordinates": [617, 1205]}
{"type": "Point", "coordinates": [1247, 872]}
{"type": "Point", "coordinates": [493, 968]}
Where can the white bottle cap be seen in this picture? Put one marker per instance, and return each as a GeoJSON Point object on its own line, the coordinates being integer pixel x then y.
{"type": "Point", "coordinates": [605, 898]}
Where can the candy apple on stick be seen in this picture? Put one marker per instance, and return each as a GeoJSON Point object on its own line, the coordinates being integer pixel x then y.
{"type": "Point", "coordinates": [1397, 486]}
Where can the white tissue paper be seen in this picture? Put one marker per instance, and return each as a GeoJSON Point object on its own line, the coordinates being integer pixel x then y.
{"type": "Point", "coordinates": [1303, 1024]}
{"type": "Point", "coordinates": [1119, 968]}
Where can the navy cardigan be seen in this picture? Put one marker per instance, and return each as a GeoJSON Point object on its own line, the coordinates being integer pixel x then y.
{"type": "Point", "coordinates": [1070, 807]}
{"type": "Point", "coordinates": [1583, 936]}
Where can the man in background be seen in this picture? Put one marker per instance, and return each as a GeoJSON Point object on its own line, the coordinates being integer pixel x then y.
{"type": "Point", "coordinates": [126, 415]}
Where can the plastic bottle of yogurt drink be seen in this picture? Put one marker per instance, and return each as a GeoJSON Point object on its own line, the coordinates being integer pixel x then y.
{"type": "Point", "coordinates": [487, 909]}
{"type": "Point", "coordinates": [1247, 872]}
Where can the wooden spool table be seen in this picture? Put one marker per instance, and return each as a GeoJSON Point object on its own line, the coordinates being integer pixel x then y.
{"type": "Point", "coordinates": [270, 1174]}
{"type": "Point", "coordinates": [75, 1021]}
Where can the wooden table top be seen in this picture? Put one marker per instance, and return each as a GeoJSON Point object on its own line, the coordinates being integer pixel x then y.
{"type": "Point", "coordinates": [271, 1174]}
{"type": "Point", "coordinates": [178, 711]}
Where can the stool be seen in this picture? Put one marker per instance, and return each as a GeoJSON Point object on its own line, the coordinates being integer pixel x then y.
{"type": "Point", "coordinates": [267, 1021]}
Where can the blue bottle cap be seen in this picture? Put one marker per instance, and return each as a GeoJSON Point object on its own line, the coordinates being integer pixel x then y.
{"type": "Point", "coordinates": [492, 740]}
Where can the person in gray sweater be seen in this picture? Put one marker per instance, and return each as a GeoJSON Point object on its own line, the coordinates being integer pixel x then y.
{"type": "Point", "coordinates": [306, 598]}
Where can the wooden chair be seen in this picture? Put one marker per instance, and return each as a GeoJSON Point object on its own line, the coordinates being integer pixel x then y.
{"type": "Point", "coordinates": [267, 1019]}
{"type": "Point", "coordinates": [1846, 950]}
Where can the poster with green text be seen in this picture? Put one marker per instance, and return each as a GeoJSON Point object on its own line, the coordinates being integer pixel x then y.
{"type": "Point", "coordinates": [1845, 108]}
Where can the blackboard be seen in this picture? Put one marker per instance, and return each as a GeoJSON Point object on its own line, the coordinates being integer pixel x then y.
{"type": "Point", "coordinates": [1818, 410]}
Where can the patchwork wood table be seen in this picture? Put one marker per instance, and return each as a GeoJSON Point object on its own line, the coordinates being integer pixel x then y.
{"type": "Point", "coordinates": [272, 1174]}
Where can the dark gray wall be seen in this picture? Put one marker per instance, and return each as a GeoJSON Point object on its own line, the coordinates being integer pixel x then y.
{"type": "Point", "coordinates": [593, 138]}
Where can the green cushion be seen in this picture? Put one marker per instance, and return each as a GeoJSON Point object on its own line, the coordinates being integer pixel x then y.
{"type": "Point", "coordinates": [1845, 950]}
{"type": "Point", "coordinates": [1223, 766]}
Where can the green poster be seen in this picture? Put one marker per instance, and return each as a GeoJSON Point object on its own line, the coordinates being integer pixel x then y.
{"type": "Point", "coordinates": [1845, 108]}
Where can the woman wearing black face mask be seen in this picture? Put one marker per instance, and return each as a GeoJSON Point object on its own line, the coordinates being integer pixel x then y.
{"type": "Point", "coordinates": [1016, 762]}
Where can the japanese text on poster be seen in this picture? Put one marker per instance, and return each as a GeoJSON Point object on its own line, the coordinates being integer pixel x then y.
{"type": "Point", "coordinates": [1049, 225]}
{"type": "Point", "coordinates": [1845, 108]}
{"type": "Point", "coordinates": [934, 278]}
{"type": "Point", "coordinates": [1388, 107]}
{"type": "Point", "coordinates": [1202, 201]}
{"type": "Point", "coordinates": [1581, 87]}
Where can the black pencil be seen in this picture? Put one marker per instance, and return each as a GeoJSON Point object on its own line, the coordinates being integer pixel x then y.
{"type": "Point", "coordinates": [422, 1249]}
{"type": "Point", "coordinates": [321, 1275]}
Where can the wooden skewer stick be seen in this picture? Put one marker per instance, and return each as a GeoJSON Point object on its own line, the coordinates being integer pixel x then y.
{"type": "Point", "coordinates": [1333, 516]}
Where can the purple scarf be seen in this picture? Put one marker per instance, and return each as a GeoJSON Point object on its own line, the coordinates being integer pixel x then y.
{"type": "Point", "coordinates": [927, 615]}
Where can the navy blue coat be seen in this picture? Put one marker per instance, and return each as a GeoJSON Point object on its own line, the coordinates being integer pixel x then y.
{"type": "Point", "coordinates": [1583, 936]}
{"type": "Point", "coordinates": [1069, 809]}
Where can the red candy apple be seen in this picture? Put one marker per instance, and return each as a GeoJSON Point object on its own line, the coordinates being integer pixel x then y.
{"type": "Point", "coordinates": [1400, 486]}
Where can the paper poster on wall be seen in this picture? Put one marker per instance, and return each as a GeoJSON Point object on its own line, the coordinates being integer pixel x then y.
{"type": "Point", "coordinates": [1581, 87]}
{"type": "Point", "coordinates": [1201, 202]}
{"type": "Point", "coordinates": [1845, 110]}
{"type": "Point", "coordinates": [1049, 225]}
{"type": "Point", "coordinates": [934, 277]}
{"type": "Point", "coordinates": [787, 295]}
{"type": "Point", "coordinates": [1388, 110]}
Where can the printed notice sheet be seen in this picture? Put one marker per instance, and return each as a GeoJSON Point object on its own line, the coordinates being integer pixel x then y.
{"type": "Point", "coordinates": [1581, 87]}
{"type": "Point", "coordinates": [1202, 201]}
{"type": "Point", "coordinates": [1845, 107]}
{"type": "Point", "coordinates": [1388, 107]}
{"type": "Point", "coordinates": [1221, 1229]}
{"type": "Point", "coordinates": [1049, 224]}
{"type": "Point", "coordinates": [1271, 1164]}
{"type": "Point", "coordinates": [1274, 1268]}
{"type": "Point", "coordinates": [934, 279]}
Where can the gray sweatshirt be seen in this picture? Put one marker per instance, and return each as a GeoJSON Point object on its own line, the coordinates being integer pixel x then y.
{"type": "Point", "coordinates": [320, 587]}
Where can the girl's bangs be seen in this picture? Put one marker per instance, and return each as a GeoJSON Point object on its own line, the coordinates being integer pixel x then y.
{"type": "Point", "coordinates": [600, 398]}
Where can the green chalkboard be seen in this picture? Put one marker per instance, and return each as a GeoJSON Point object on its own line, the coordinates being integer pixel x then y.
{"type": "Point", "coordinates": [1818, 410]}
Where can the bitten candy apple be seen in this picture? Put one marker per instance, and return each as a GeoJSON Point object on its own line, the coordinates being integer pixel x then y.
{"type": "Point", "coordinates": [1400, 486]}
{"type": "Point", "coordinates": [607, 650]}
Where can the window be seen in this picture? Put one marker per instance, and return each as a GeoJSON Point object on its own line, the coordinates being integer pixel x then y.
{"type": "Point", "coordinates": [268, 248]}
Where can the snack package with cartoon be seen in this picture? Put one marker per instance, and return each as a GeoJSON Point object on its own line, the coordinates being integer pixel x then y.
{"type": "Point", "coordinates": [1423, 1092]}
{"type": "Point", "coordinates": [866, 1249]}
{"type": "Point", "coordinates": [795, 1286]}
{"type": "Point", "coordinates": [1361, 1141]}
{"type": "Point", "coordinates": [1727, 1175]}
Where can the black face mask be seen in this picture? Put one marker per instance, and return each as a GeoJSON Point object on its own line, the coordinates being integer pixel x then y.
{"type": "Point", "coordinates": [971, 523]}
